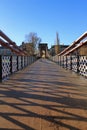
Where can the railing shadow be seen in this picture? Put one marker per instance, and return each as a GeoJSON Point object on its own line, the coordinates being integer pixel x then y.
{"type": "Point", "coordinates": [27, 103]}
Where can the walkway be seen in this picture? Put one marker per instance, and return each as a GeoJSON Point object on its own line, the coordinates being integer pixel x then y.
{"type": "Point", "coordinates": [43, 97]}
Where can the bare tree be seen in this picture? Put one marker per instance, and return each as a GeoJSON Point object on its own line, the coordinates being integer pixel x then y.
{"type": "Point", "coordinates": [30, 45]}
{"type": "Point", "coordinates": [33, 39]}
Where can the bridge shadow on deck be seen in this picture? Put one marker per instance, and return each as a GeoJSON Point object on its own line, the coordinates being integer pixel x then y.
{"type": "Point", "coordinates": [36, 100]}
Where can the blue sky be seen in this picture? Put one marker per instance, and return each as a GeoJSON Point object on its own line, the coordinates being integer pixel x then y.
{"type": "Point", "coordinates": [44, 17]}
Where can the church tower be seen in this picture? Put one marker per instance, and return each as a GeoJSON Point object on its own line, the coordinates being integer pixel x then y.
{"type": "Point", "coordinates": [57, 46]}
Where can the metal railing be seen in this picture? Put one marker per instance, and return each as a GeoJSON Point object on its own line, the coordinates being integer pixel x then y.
{"type": "Point", "coordinates": [76, 63]}
{"type": "Point", "coordinates": [12, 64]}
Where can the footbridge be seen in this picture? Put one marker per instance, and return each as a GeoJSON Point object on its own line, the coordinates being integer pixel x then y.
{"type": "Point", "coordinates": [41, 94]}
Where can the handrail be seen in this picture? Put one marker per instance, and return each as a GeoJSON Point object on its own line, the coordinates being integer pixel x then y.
{"type": "Point", "coordinates": [10, 44]}
{"type": "Point", "coordinates": [75, 48]}
{"type": "Point", "coordinates": [73, 44]}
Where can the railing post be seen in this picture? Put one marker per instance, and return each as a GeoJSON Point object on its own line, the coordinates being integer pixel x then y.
{"type": "Point", "coordinates": [24, 61]}
{"type": "Point", "coordinates": [86, 67]}
{"type": "Point", "coordinates": [66, 61]}
{"type": "Point", "coordinates": [70, 62]}
{"type": "Point", "coordinates": [77, 63]}
{"type": "Point", "coordinates": [17, 64]}
{"type": "Point", "coordinates": [11, 64]}
{"type": "Point", "coordinates": [0, 67]}
{"type": "Point", "coordinates": [21, 62]}
{"type": "Point", "coordinates": [60, 60]}
{"type": "Point", "coordinates": [28, 60]}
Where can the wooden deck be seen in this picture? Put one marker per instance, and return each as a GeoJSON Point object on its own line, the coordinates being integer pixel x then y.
{"type": "Point", "coordinates": [43, 96]}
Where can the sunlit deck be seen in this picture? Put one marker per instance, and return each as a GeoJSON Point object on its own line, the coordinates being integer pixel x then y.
{"type": "Point", "coordinates": [43, 96]}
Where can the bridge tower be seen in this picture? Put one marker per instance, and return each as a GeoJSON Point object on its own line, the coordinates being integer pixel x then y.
{"type": "Point", "coordinates": [43, 48]}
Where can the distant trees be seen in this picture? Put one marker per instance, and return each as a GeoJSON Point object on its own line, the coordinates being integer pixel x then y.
{"type": "Point", "coordinates": [30, 45]}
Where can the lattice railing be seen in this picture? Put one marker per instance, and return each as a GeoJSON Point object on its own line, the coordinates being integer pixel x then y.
{"type": "Point", "coordinates": [14, 64]}
{"type": "Point", "coordinates": [5, 66]}
{"type": "Point", "coordinates": [68, 62]}
{"type": "Point", "coordinates": [75, 63]}
{"type": "Point", "coordinates": [26, 61]}
{"type": "Point", "coordinates": [11, 64]}
{"type": "Point", "coordinates": [65, 62]}
{"type": "Point", "coordinates": [23, 62]}
{"type": "Point", "coordinates": [19, 63]}
{"type": "Point", "coordinates": [83, 65]}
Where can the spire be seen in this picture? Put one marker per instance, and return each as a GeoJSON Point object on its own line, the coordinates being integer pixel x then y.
{"type": "Point", "coordinates": [57, 39]}
{"type": "Point", "coordinates": [57, 46]}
